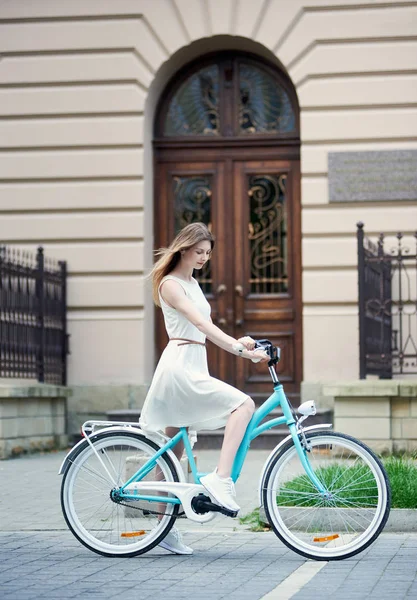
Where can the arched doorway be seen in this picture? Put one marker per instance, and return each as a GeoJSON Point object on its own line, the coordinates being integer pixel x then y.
{"type": "Point", "coordinates": [227, 153]}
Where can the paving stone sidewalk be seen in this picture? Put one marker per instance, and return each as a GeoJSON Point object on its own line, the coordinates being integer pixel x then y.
{"type": "Point", "coordinates": [38, 475]}
{"type": "Point", "coordinates": [40, 559]}
{"type": "Point", "coordinates": [233, 565]}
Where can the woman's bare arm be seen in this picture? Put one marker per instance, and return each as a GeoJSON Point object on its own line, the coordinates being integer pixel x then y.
{"type": "Point", "coordinates": [174, 295]}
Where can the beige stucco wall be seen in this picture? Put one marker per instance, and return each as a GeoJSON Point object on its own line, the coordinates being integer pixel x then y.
{"type": "Point", "coordinates": [79, 83]}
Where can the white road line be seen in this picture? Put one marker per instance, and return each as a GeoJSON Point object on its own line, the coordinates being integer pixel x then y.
{"type": "Point", "coordinates": [296, 581]}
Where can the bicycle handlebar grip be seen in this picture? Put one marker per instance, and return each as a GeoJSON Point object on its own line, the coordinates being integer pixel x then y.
{"type": "Point", "coordinates": [240, 347]}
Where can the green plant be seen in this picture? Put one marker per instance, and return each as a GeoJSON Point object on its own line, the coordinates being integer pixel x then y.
{"type": "Point", "coordinates": [345, 482]}
{"type": "Point", "coordinates": [254, 520]}
{"type": "Point", "coordinates": [402, 473]}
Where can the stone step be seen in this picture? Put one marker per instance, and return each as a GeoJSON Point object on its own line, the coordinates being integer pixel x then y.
{"type": "Point", "coordinates": [260, 397]}
{"type": "Point", "coordinates": [211, 440]}
{"type": "Point", "coordinates": [129, 415]}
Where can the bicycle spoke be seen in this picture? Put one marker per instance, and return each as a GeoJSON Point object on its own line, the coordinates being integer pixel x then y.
{"type": "Point", "coordinates": [98, 476]}
{"type": "Point", "coordinates": [340, 521]}
{"type": "Point", "coordinates": [102, 519]}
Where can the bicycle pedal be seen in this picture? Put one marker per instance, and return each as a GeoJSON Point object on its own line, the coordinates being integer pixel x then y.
{"type": "Point", "coordinates": [229, 513]}
{"type": "Point", "coordinates": [202, 504]}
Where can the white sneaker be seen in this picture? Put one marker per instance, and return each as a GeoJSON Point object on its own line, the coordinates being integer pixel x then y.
{"type": "Point", "coordinates": [173, 542]}
{"type": "Point", "coordinates": [221, 489]}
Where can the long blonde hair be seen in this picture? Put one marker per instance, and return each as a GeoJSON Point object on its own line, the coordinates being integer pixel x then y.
{"type": "Point", "coordinates": [190, 235]}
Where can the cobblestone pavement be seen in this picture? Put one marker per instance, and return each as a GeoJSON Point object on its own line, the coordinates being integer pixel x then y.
{"type": "Point", "coordinates": [39, 558]}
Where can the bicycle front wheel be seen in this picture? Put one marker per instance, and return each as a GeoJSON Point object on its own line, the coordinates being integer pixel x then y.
{"type": "Point", "coordinates": [343, 521]}
{"type": "Point", "coordinates": [96, 516]}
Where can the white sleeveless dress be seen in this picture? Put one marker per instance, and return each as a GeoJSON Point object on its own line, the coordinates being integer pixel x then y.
{"type": "Point", "coordinates": [182, 392]}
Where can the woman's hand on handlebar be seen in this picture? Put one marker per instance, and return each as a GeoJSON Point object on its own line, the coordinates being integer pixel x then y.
{"type": "Point", "coordinates": [256, 355]}
{"type": "Point", "coordinates": [259, 355]}
{"type": "Point", "coordinates": [247, 342]}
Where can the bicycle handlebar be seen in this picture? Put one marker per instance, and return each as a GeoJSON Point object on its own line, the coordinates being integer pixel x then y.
{"type": "Point", "coordinates": [273, 351]}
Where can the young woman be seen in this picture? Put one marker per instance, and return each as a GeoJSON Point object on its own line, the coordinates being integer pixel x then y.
{"type": "Point", "coordinates": [182, 393]}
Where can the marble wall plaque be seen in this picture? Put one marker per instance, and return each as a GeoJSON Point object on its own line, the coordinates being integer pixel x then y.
{"type": "Point", "coordinates": [372, 176]}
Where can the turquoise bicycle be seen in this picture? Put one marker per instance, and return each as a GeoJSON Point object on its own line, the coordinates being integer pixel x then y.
{"type": "Point", "coordinates": [326, 495]}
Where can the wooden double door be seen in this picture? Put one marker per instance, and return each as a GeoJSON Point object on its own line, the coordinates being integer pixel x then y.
{"type": "Point", "coordinates": [251, 203]}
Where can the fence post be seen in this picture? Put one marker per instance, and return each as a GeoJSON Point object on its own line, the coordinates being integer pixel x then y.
{"type": "Point", "coordinates": [2, 336]}
{"type": "Point", "coordinates": [361, 300]}
{"type": "Point", "coordinates": [40, 294]}
{"type": "Point", "coordinates": [63, 266]}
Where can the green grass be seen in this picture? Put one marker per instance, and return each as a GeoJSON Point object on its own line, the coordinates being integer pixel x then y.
{"type": "Point", "coordinates": [254, 521]}
{"type": "Point", "coordinates": [353, 483]}
{"type": "Point", "coordinates": [402, 473]}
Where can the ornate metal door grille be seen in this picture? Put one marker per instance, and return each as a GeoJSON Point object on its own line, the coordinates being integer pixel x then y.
{"type": "Point", "coordinates": [268, 234]}
{"type": "Point", "coordinates": [387, 307]}
{"type": "Point", "coordinates": [192, 203]}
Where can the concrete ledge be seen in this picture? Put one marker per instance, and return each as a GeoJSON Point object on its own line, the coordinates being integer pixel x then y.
{"type": "Point", "coordinates": [408, 388]}
{"type": "Point", "coordinates": [372, 387]}
{"type": "Point", "coordinates": [382, 413]}
{"type": "Point", "coordinates": [34, 391]}
{"type": "Point", "coordinates": [95, 401]}
{"type": "Point", "coordinates": [313, 390]}
{"type": "Point", "coordinates": [363, 387]}
{"type": "Point", "coordinates": [32, 418]}
{"type": "Point", "coordinates": [402, 520]}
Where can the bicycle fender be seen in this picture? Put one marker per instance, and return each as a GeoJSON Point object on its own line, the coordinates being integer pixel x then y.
{"type": "Point", "coordinates": [75, 449]}
{"type": "Point", "coordinates": [277, 449]}
{"type": "Point", "coordinates": [156, 438]}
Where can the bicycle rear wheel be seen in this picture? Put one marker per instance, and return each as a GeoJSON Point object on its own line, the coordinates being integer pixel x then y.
{"type": "Point", "coordinates": [95, 516]}
{"type": "Point", "coordinates": [342, 522]}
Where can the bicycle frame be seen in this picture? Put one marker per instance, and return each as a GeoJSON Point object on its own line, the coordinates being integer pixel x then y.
{"type": "Point", "coordinates": [255, 428]}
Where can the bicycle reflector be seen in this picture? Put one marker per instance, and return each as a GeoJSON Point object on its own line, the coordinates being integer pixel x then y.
{"type": "Point", "coordinates": [128, 534]}
{"type": "Point", "coordinates": [327, 538]}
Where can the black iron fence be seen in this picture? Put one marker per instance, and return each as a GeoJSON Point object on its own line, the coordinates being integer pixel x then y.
{"type": "Point", "coordinates": [33, 320]}
{"type": "Point", "coordinates": [387, 305]}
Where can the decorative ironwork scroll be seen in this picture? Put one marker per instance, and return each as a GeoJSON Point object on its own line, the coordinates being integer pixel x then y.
{"type": "Point", "coordinates": [194, 110]}
{"type": "Point", "coordinates": [387, 306]}
{"type": "Point", "coordinates": [267, 234]}
{"type": "Point", "coordinates": [264, 105]}
{"type": "Point", "coordinates": [192, 203]}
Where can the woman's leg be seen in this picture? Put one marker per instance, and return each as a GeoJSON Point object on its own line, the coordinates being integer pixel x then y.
{"type": "Point", "coordinates": [219, 484]}
{"type": "Point", "coordinates": [234, 432]}
{"type": "Point", "coordinates": [178, 451]}
{"type": "Point", "coordinates": [173, 541]}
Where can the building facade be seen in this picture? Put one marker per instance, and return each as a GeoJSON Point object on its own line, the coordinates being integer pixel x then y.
{"type": "Point", "coordinates": [121, 121]}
